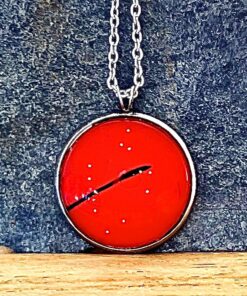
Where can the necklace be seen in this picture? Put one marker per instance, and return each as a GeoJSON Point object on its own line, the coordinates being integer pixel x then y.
{"type": "Point", "coordinates": [126, 182]}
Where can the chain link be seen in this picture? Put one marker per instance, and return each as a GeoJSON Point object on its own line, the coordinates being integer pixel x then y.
{"type": "Point", "coordinates": [131, 93]}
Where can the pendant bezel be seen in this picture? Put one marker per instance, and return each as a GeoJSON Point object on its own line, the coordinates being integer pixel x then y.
{"type": "Point", "coordinates": [183, 146]}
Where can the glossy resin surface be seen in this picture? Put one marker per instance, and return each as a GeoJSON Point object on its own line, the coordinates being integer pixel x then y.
{"type": "Point", "coordinates": [125, 182]}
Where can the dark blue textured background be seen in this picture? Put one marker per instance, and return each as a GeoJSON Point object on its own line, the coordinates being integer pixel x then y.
{"type": "Point", "coordinates": [53, 68]}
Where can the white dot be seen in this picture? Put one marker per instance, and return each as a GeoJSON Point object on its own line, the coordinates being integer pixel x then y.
{"type": "Point", "coordinates": [107, 231]}
{"type": "Point", "coordinates": [89, 179]}
{"type": "Point", "coordinates": [95, 210]}
{"type": "Point", "coordinates": [147, 191]}
{"type": "Point", "coordinates": [95, 192]}
{"type": "Point", "coordinates": [121, 144]}
{"type": "Point", "coordinates": [89, 165]}
{"type": "Point", "coordinates": [128, 130]}
{"type": "Point", "coordinates": [76, 197]}
{"type": "Point", "coordinates": [129, 148]}
{"type": "Point", "coordinates": [123, 221]}
{"type": "Point", "coordinates": [150, 172]}
{"type": "Point", "coordinates": [140, 172]}
{"type": "Point", "coordinates": [93, 199]}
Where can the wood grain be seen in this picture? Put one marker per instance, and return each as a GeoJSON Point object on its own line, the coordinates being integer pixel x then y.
{"type": "Point", "coordinates": [159, 275]}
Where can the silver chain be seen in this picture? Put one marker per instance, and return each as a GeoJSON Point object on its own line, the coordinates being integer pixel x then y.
{"type": "Point", "coordinates": [131, 93]}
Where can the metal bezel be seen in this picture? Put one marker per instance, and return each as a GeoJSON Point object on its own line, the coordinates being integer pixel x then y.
{"type": "Point", "coordinates": [159, 123]}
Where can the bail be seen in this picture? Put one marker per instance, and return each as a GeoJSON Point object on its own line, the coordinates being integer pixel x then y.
{"type": "Point", "coordinates": [126, 104]}
{"type": "Point", "coordinates": [127, 99]}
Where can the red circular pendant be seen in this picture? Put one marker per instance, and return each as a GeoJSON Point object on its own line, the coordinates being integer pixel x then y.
{"type": "Point", "coordinates": [126, 182]}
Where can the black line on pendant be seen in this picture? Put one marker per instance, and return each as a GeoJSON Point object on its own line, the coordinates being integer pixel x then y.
{"type": "Point", "coordinates": [122, 177]}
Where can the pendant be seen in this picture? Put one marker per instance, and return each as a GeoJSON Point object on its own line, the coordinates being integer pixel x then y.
{"type": "Point", "coordinates": [126, 182]}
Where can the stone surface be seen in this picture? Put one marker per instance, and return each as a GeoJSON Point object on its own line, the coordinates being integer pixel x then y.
{"type": "Point", "coordinates": [53, 68]}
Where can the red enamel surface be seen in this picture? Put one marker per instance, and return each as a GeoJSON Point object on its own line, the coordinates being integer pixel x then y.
{"type": "Point", "coordinates": [139, 210]}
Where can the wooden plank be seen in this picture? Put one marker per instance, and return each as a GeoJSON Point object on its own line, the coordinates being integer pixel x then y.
{"type": "Point", "coordinates": [94, 274]}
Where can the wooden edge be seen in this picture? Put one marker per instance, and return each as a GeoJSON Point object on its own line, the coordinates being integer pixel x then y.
{"type": "Point", "coordinates": [97, 274]}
